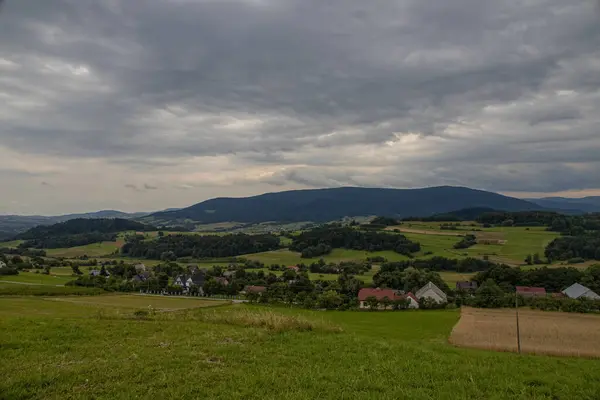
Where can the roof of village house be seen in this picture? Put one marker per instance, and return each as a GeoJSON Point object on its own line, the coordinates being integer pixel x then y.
{"type": "Point", "coordinates": [255, 289]}
{"type": "Point", "coordinates": [379, 294]}
{"type": "Point", "coordinates": [530, 290]}
{"type": "Point", "coordinates": [433, 287]}
{"type": "Point", "coordinates": [577, 290]}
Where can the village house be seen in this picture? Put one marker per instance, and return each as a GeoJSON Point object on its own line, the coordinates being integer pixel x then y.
{"type": "Point", "coordinates": [578, 291]}
{"type": "Point", "coordinates": [139, 268]}
{"type": "Point", "coordinates": [255, 289]}
{"type": "Point", "coordinates": [187, 281]}
{"type": "Point", "coordinates": [433, 292]}
{"type": "Point", "coordinates": [528, 291]}
{"type": "Point", "coordinates": [141, 277]}
{"type": "Point", "coordinates": [222, 281]}
{"type": "Point", "coordinates": [3, 264]}
{"type": "Point", "coordinates": [380, 294]}
{"type": "Point", "coordinates": [466, 286]}
{"type": "Point", "coordinates": [294, 267]}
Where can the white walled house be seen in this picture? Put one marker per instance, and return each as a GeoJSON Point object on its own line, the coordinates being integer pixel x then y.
{"type": "Point", "coordinates": [433, 292]}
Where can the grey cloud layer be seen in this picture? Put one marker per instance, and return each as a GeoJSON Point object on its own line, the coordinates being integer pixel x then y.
{"type": "Point", "coordinates": [501, 95]}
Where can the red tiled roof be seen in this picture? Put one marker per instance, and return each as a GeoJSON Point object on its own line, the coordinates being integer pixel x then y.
{"type": "Point", "coordinates": [293, 267]}
{"type": "Point", "coordinates": [412, 296]}
{"type": "Point", "coordinates": [255, 289]}
{"type": "Point", "coordinates": [528, 289]}
{"type": "Point", "coordinates": [379, 294]}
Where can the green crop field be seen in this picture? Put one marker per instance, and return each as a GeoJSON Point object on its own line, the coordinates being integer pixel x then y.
{"type": "Point", "coordinates": [37, 279]}
{"type": "Point", "coordinates": [90, 250]}
{"type": "Point", "coordinates": [11, 245]}
{"type": "Point", "coordinates": [56, 349]}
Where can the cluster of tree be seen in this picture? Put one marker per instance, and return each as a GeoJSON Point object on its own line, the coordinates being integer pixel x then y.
{"type": "Point", "coordinates": [534, 259]}
{"type": "Point", "coordinates": [349, 238]}
{"type": "Point", "coordinates": [345, 267]}
{"type": "Point", "coordinates": [315, 251]}
{"type": "Point", "coordinates": [492, 295]}
{"type": "Point", "coordinates": [466, 242]}
{"type": "Point", "coordinates": [566, 224]}
{"type": "Point", "coordinates": [62, 241]}
{"type": "Point", "coordinates": [23, 252]}
{"type": "Point", "coordinates": [171, 247]}
{"type": "Point", "coordinates": [586, 246]}
{"type": "Point", "coordinates": [468, 264]}
{"type": "Point", "coordinates": [552, 279]}
{"type": "Point", "coordinates": [408, 279]}
{"type": "Point", "coordinates": [83, 225]}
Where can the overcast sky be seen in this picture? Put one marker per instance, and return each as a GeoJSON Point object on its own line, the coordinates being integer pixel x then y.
{"type": "Point", "coordinates": [140, 105]}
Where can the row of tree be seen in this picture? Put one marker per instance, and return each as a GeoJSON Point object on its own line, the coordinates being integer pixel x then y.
{"type": "Point", "coordinates": [65, 241]}
{"type": "Point", "coordinates": [335, 237]}
{"type": "Point", "coordinates": [171, 247]}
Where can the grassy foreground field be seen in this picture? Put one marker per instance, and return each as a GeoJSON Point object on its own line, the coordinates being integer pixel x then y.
{"type": "Point", "coordinates": [68, 352]}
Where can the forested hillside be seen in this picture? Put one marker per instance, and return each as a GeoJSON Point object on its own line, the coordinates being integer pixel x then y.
{"type": "Point", "coordinates": [321, 205]}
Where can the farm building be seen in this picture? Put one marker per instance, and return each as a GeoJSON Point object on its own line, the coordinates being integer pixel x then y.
{"type": "Point", "coordinates": [2, 264]}
{"type": "Point", "coordinates": [141, 277]}
{"type": "Point", "coordinates": [380, 294]}
{"type": "Point", "coordinates": [527, 291]}
{"type": "Point", "coordinates": [187, 281]}
{"type": "Point", "coordinates": [578, 291]}
{"type": "Point", "coordinates": [433, 292]}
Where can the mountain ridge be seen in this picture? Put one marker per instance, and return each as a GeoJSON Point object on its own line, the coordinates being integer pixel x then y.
{"type": "Point", "coordinates": [320, 205]}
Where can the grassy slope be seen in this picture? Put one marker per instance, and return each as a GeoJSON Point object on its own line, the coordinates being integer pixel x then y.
{"type": "Point", "coordinates": [66, 353]}
{"type": "Point", "coordinates": [91, 250]}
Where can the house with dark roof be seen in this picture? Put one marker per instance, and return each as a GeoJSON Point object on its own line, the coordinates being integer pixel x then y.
{"type": "Point", "coordinates": [466, 286]}
{"type": "Point", "coordinates": [530, 291]}
{"type": "Point", "coordinates": [380, 294]}
{"type": "Point", "coordinates": [141, 277]}
{"type": "Point", "coordinates": [578, 291]}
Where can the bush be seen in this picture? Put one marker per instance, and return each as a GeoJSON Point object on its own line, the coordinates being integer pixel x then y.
{"type": "Point", "coordinates": [8, 271]}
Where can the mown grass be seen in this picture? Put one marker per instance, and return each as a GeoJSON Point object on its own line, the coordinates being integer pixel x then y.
{"type": "Point", "coordinates": [7, 289]}
{"type": "Point", "coordinates": [144, 302]}
{"type": "Point", "coordinates": [377, 356]}
{"type": "Point", "coordinates": [37, 279]}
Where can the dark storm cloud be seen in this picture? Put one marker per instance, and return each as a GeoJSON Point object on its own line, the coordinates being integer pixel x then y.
{"type": "Point", "coordinates": [303, 84]}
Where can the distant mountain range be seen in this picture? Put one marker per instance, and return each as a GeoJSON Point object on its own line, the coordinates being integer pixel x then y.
{"type": "Point", "coordinates": [320, 205]}
{"type": "Point", "coordinates": [568, 205]}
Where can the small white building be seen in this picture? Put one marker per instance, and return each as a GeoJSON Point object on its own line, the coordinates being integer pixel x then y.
{"type": "Point", "coordinates": [2, 264]}
{"type": "Point", "coordinates": [578, 291]}
{"type": "Point", "coordinates": [433, 292]}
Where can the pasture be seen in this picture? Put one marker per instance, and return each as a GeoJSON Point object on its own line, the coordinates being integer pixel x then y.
{"type": "Point", "coordinates": [37, 279]}
{"type": "Point", "coordinates": [55, 349]}
{"type": "Point", "coordinates": [90, 250]}
{"type": "Point", "coordinates": [541, 332]}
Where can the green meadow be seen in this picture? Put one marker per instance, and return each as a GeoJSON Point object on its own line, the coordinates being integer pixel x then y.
{"type": "Point", "coordinates": [58, 349]}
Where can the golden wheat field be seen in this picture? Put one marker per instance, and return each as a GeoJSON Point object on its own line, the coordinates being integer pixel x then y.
{"type": "Point", "coordinates": [554, 333]}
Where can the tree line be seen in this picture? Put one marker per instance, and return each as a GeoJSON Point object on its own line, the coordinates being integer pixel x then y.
{"type": "Point", "coordinates": [63, 241]}
{"type": "Point", "coordinates": [172, 247]}
{"type": "Point", "coordinates": [326, 238]}
{"type": "Point", "coordinates": [84, 226]}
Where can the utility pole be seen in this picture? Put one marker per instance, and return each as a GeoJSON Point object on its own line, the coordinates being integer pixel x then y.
{"type": "Point", "coordinates": [518, 330]}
